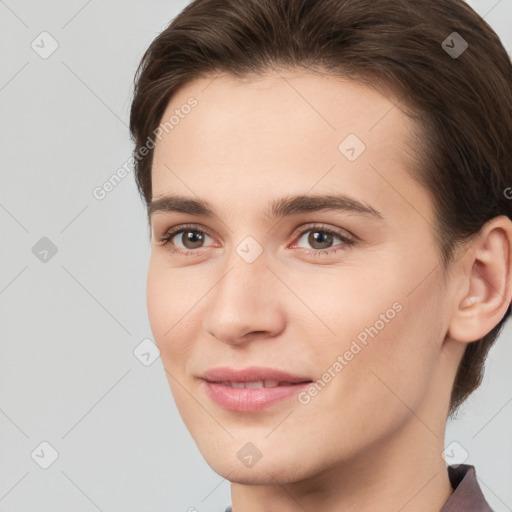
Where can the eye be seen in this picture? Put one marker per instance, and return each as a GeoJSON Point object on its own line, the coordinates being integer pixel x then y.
{"type": "Point", "coordinates": [322, 237]}
{"type": "Point", "coordinates": [191, 238]}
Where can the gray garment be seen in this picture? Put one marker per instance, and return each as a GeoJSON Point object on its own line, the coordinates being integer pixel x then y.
{"type": "Point", "coordinates": [466, 496]}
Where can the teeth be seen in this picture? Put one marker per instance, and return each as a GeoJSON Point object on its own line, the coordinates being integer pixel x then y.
{"type": "Point", "coordinates": [253, 385]}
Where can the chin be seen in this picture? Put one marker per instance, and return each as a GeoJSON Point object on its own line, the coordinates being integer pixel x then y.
{"type": "Point", "coordinates": [262, 473]}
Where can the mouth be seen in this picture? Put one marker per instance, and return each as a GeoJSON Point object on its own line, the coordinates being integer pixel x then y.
{"type": "Point", "coordinates": [259, 384]}
{"type": "Point", "coordinates": [251, 389]}
{"type": "Point", "coordinates": [253, 377]}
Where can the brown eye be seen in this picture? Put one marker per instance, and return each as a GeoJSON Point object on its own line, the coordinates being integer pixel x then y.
{"type": "Point", "coordinates": [321, 239]}
{"type": "Point", "coordinates": [192, 239]}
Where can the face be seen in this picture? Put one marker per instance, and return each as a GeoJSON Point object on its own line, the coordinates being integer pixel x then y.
{"type": "Point", "coordinates": [351, 299]}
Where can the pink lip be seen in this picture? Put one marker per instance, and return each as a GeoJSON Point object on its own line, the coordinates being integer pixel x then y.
{"type": "Point", "coordinates": [251, 399]}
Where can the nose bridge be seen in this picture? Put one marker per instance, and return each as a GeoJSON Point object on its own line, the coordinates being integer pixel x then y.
{"type": "Point", "coordinates": [247, 273]}
{"type": "Point", "coordinates": [244, 298]}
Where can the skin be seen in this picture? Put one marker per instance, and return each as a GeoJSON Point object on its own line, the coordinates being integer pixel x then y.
{"type": "Point", "coordinates": [372, 438]}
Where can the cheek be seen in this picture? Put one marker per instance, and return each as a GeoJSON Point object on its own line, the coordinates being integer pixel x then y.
{"type": "Point", "coordinates": [340, 304]}
{"type": "Point", "coordinates": [382, 340]}
{"type": "Point", "coordinates": [400, 346]}
{"type": "Point", "coordinates": [169, 305]}
{"type": "Point", "coordinates": [159, 301]}
{"type": "Point", "coordinates": [168, 301]}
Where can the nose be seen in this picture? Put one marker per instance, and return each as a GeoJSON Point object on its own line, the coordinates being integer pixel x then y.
{"type": "Point", "coordinates": [246, 303]}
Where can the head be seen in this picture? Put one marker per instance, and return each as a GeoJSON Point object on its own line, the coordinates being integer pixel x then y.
{"type": "Point", "coordinates": [245, 104]}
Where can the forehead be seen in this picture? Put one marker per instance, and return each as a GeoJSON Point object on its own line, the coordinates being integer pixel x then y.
{"type": "Point", "coordinates": [283, 132]}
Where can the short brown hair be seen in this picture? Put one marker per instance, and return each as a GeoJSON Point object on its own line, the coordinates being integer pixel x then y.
{"type": "Point", "coordinates": [462, 103]}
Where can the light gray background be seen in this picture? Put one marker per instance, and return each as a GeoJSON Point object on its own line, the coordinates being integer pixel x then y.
{"type": "Point", "coordinates": [69, 326]}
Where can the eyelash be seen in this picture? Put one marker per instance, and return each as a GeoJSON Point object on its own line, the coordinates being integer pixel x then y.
{"type": "Point", "coordinates": [348, 242]}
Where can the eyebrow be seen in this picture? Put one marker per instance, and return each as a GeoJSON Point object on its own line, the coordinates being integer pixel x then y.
{"type": "Point", "coordinates": [278, 208]}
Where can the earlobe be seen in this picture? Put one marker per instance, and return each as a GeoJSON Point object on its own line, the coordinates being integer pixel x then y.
{"type": "Point", "coordinates": [485, 287]}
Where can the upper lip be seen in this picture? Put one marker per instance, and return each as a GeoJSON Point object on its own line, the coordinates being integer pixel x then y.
{"type": "Point", "coordinates": [251, 374]}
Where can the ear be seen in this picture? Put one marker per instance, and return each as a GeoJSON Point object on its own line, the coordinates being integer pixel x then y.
{"type": "Point", "coordinates": [485, 289]}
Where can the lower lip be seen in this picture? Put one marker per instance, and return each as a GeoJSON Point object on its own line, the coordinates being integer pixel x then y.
{"type": "Point", "coordinates": [250, 399]}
